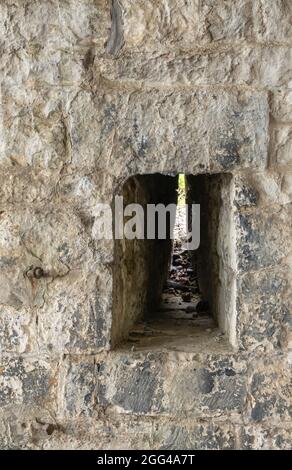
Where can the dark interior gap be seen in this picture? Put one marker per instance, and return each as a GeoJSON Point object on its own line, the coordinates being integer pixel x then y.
{"type": "Point", "coordinates": [157, 284]}
{"type": "Point", "coordinates": [181, 297]}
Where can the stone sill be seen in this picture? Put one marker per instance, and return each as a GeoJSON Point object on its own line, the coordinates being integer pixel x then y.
{"type": "Point", "coordinates": [164, 335]}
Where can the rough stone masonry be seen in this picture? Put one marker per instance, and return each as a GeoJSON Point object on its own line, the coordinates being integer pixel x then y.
{"type": "Point", "coordinates": [92, 93]}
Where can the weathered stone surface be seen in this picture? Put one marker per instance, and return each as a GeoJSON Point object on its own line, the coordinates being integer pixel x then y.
{"type": "Point", "coordinates": [281, 105]}
{"type": "Point", "coordinates": [134, 386]}
{"type": "Point", "coordinates": [76, 327]}
{"type": "Point", "coordinates": [246, 195]}
{"type": "Point", "coordinates": [152, 385]}
{"type": "Point", "coordinates": [51, 42]}
{"type": "Point", "coordinates": [287, 184]}
{"type": "Point", "coordinates": [199, 437]}
{"type": "Point", "coordinates": [169, 25]}
{"type": "Point", "coordinates": [80, 379]}
{"type": "Point", "coordinates": [4, 433]}
{"type": "Point", "coordinates": [272, 22]}
{"type": "Point", "coordinates": [35, 128]}
{"type": "Point", "coordinates": [161, 132]}
{"type": "Point", "coordinates": [219, 388]}
{"type": "Point", "coordinates": [91, 93]}
{"type": "Point", "coordinates": [264, 238]}
{"type": "Point", "coordinates": [264, 438]}
{"type": "Point", "coordinates": [262, 189]}
{"type": "Point", "coordinates": [225, 64]}
{"type": "Point", "coordinates": [148, 25]}
{"type": "Point", "coordinates": [68, 266]}
{"type": "Point", "coordinates": [28, 427]}
{"type": "Point", "coordinates": [270, 391]}
{"type": "Point", "coordinates": [281, 145]}
{"type": "Point", "coordinates": [27, 381]}
{"type": "Point", "coordinates": [263, 308]}
{"type": "Point", "coordinates": [17, 330]}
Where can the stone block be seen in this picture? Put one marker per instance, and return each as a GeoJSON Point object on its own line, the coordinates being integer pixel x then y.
{"type": "Point", "coordinates": [56, 242]}
{"type": "Point", "coordinates": [153, 385]}
{"type": "Point", "coordinates": [148, 132]}
{"type": "Point", "coordinates": [270, 391]}
{"type": "Point", "coordinates": [281, 145]}
{"type": "Point", "coordinates": [261, 189]}
{"type": "Point", "coordinates": [219, 387]}
{"type": "Point", "coordinates": [35, 130]}
{"type": "Point", "coordinates": [4, 434]}
{"type": "Point", "coordinates": [272, 21]}
{"type": "Point", "coordinates": [17, 330]}
{"type": "Point", "coordinates": [263, 309]}
{"type": "Point", "coordinates": [260, 437]}
{"type": "Point", "coordinates": [201, 436]}
{"type": "Point", "coordinates": [263, 238]}
{"type": "Point", "coordinates": [133, 386]}
{"type": "Point", "coordinates": [27, 381]}
{"type": "Point", "coordinates": [287, 185]}
{"type": "Point", "coordinates": [80, 381]}
{"type": "Point", "coordinates": [148, 25]}
{"type": "Point", "coordinates": [264, 66]}
{"type": "Point", "coordinates": [46, 238]}
{"type": "Point", "coordinates": [281, 105]}
{"type": "Point", "coordinates": [73, 319]}
{"type": "Point", "coordinates": [52, 43]}
{"type": "Point", "coordinates": [238, 132]}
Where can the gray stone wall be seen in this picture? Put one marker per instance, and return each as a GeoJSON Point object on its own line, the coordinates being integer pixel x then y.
{"type": "Point", "coordinates": [93, 92]}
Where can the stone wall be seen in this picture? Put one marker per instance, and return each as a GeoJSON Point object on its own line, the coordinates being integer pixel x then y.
{"type": "Point", "coordinates": [92, 93]}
